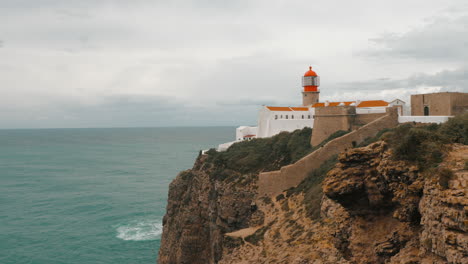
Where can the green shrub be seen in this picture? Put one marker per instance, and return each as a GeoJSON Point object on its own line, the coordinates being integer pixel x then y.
{"type": "Point", "coordinates": [267, 200]}
{"type": "Point", "coordinates": [186, 175]}
{"type": "Point", "coordinates": [376, 138]}
{"type": "Point", "coordinates": [445, 175]}
{"type": "Point", "coordinates": [279, 197]}
{"type": "Point", "coordinates": [456, 129]}
{"type": "Point", "coordinates": [424, 144]}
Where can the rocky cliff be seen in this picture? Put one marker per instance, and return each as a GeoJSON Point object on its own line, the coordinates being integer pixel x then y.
{"type": "Point", "coordinates": [201, 209]}
{"type": "Point", "coordinates": [363, 207]}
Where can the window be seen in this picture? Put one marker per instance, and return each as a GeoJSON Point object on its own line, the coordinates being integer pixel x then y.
{"type": "Point", "coordinates": [426, 110]}
{"type": "Point", "coordinates": [308, 116]}
{"type": "Point", "coordinates": [281, 116]}
{"type": "Point", "coordinates": [302, 116]}
{"type": "Point", "coordinates": [292, 116]}
{"type": "Point", "coordinates": [276, 117]}
{"type": "Point", "coordinates": [286, 116]}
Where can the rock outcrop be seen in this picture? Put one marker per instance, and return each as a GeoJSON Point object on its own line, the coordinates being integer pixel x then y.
{"type": "Point", "coordinates": [370, 208]}
{"type": "Point", "coordinates": [202, 207]}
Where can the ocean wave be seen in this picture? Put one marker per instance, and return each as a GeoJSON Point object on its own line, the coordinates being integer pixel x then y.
{"type": "Point", "coordinates": [140, 230]}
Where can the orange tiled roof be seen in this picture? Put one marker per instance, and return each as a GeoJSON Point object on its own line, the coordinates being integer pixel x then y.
{"type": "Point", "coordinates": [287, 108]}
{"type": "Point", "coordinates": [331, 104]}
{"type": "Point", "coordinates": [373, 103]}
{"type": "Point", "coordinates": [249, 136]}
{"type": "Point", "coordinates": [279, 108]}
{"type": "Point", "coordinates": [299, 108]}
{"type": "Point", "coordinates": [318, 105]}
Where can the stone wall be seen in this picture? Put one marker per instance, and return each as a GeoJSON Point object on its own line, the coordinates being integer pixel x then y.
{"type": "Point", "coordinates": [274, 182]}
{"type": "Point", "coordinates": [330, 119]}
{"type": "Point", "coordinates": [363, 119]}
{"type": "Point", "coordinates": [439, 104]}
{"type": "Point", "coordinates": [459, 103]}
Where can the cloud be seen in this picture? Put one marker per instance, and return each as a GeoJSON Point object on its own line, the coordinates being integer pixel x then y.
{"type": "Point", "coordinates": [449, 80]}
{"type": "Point", "coordinates": [389, 89]}
{"type": "Point", "coordinates": [442, 39]}
{"type": "Point", "coordinates": [427, 58]}
{"type": "Point", "coordinates": [200, 62]}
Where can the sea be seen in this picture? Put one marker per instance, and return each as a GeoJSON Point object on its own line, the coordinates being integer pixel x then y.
{"type": "Point", "coordinates": [95, 195]}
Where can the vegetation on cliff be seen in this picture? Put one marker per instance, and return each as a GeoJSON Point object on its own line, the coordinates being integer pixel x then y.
{"type": "Point", "coordinates": [368, 205]}
{"type": "Point", "coordinates": [267, 154]}
{"type": "Point", "coordinates": [425, 144]}
{"type": "Point", "coordinates": [263, 154]}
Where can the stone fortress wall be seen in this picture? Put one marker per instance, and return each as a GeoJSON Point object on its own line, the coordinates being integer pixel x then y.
{"type": "Point", "coordinates": [330, 119]}
{"type": "Point", "coordinates": [274, 182]}
{"type": "Point", "coordinates": [439, 104]}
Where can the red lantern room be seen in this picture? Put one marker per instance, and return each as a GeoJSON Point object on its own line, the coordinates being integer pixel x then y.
{"type": "Point", "coordinates": [310, 81]}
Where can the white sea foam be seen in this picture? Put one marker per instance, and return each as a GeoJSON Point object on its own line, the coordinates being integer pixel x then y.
{"type": "Point", "coordinates": [140, 230]}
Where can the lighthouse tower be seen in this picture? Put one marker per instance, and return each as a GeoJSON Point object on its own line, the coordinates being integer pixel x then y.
{"type": "Point", "coordinates": [310, 82]}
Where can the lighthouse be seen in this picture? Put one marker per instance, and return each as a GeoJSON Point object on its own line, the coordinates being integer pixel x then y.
{"type": "Point", "coordinates": [310, 83]}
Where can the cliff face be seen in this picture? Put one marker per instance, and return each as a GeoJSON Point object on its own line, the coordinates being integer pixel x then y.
{"type": "Point", "coordinates": [369, 208]}
{"type": "Point", "coordinates": [201, 208]}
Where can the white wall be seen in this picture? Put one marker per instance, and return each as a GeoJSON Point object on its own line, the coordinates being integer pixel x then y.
{"type": "Point", "coordinates": [280, 125]}
{"type": "Point", "coordinates": [423, 119]}
{"type": "Point", "coordinates": [225, 146]}
{"type": "Point", "coordinates": [370, 110]}
{"type": "Point", "coordinates": [243, 131]}
{"type": "Point", "coordinates": [271, 123]}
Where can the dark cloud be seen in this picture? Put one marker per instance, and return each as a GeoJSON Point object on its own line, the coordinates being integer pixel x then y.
{"type": "Point", "coordinates": [449, 80]}
{"type": "Point", "coordinates": [443, 39]}
{"type": "Point", "coordinates": [441, 43]}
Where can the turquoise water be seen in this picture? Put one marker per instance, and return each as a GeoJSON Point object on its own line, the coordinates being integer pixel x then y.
{"type": "Point", "coordinates": [91, 195]}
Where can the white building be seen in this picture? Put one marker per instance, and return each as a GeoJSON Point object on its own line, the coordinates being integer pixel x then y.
{"type": "Point", "coordinates": [273, 120]}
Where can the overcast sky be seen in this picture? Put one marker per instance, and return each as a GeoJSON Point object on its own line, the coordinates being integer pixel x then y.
{"type": "Point", "coordinates": [103, 63]}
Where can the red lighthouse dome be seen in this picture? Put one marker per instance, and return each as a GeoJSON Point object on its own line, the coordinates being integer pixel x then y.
{"type": "Point", "coordinates": [310, 81]}
{"type": "Point", "coordinates": [310, 72]}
